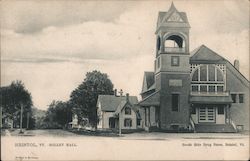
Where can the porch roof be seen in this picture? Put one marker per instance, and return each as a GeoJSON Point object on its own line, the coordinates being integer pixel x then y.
{"type": "Point", "coordinates": [151, 100]}
{"type": "Point", "coordinates": [211, 99]}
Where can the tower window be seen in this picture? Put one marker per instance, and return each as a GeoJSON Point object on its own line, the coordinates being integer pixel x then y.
{"type": "Point", "coordinates": [175, 61]}
{"type": "Point", "coordinates": [158, 43]}
{"type": "Point", "coordinates": [175, 102]}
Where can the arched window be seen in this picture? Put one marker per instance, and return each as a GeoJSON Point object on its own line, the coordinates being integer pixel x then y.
{"type": "Point", "coordinates": [174, 43]}
{"type": "Point", "coordinates": [195, 75]}
{"type": "Point", "coordinates": [127, 111]}
{"type": "Point", "coordinates": [207, 78]}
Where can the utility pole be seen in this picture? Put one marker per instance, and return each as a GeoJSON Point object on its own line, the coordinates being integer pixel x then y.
{"type": "Point", "coordinates": [28, 116]}
{"type": "Point", "coordinates": [21, 120]}
{"type": "Point", "coordinates": [120, 118]}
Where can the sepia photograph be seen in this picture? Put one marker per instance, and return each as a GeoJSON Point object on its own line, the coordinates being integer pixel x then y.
{"type": "Point", "coordinates": [124, 80]}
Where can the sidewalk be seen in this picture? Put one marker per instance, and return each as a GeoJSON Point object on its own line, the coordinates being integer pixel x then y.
{"type": "Point", "coordinates": [165, 136]}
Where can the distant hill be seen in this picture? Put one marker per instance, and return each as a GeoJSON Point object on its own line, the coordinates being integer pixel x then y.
{"type": "Point", "coordinates": [38, 113]}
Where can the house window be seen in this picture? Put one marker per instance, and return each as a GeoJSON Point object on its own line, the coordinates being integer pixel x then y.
{"type": "Point", "coordinates": [128, 123]}
{"type": "Point", "coordinates": [127, 111]}
{"type": "Point", "coordinates": [241, 98]}
{"type": "Point", "coordinates": [221, 111]}
{"type": "Point", "coordinates": [138, 122]}
{"type": "Point", "coordinates": [175, 61]}
{"type": "Point", "coordinates": [175, 102]}
{"type": "Point", "coordinates": [233, 96]}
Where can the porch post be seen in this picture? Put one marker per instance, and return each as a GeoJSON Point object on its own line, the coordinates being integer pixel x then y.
{"type": "Point", "coordinates": [228, 114]}
{"type": "Point", "coordinates": [120, 125]}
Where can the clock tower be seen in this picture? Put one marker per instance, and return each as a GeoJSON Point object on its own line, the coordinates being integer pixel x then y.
{"type": "Point", "coordinates": [172, 69]}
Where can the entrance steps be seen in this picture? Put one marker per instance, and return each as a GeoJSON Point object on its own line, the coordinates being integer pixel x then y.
{"type": "Point", "coordinates": [214, 128]}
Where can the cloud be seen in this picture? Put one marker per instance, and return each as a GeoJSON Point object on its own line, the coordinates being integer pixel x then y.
{"type": "Point", "coordinates": [32, 16]}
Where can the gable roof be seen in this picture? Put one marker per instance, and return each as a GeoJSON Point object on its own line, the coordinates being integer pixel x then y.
{"type": "Point", "coordinates": [205, 55]}
{"type": "Point", "coordinates": [148, 81]}
{"type": "Point", "coordinates": [238, 74]}
{"type": "Point", "coordinates": [110, 102]}
{"type": "Point", "coordinates": [121, 106]}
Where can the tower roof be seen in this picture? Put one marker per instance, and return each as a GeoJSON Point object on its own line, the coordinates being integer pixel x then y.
{"type": "Point", "coordinates": [172, 18]}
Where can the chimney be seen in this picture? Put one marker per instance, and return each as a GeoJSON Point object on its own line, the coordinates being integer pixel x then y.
{"type": "Point", "coordinates": [115, 92]}
{"type": "Point", "coordinates": [237, 64]}
{"type": "Point", "coordinates": [127, 97]}
{"type": "Point", "coordinates": [120, 92]}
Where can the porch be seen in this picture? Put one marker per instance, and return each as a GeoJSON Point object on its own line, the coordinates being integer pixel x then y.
{"type": "Point", "coordinates": [211, 113]}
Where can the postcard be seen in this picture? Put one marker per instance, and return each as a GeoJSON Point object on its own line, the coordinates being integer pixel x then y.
{"type": "Point", "coordinates": [124, 80]}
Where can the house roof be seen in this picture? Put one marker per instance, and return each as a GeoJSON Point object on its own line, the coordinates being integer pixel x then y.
{"type": "Point", "coordinates": [151, 100]}
{"type": "Point", "coordinates": [205, 55]}
{"type": "Point", "coordinates": [211, 99]}
{"type": "Point", "coordinates": [111, 102]}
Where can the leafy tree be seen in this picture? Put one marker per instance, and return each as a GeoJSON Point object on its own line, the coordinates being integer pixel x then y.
{"type": "Point", "coordinates": [84, 98]}
{"type": "Point", "coordinates": [14, 96]}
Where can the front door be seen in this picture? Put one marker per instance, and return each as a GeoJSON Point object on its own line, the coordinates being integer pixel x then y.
{"type": "Point", "coordinates": [206, 114]}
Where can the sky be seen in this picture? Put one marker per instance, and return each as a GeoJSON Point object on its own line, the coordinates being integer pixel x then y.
{"type": "Point", "coordinates": [51, 45]}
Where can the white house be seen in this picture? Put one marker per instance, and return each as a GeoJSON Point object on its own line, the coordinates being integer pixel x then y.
{"type": "Point", "coordinates": [112, 108]}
